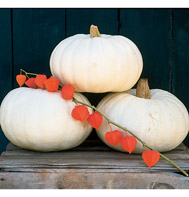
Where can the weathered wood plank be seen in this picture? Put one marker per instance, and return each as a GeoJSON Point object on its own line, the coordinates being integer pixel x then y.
{"type": "Point", "coordinates": [5, 53]}
{"type": "Point", "coordinates": [82, 160]}
{"type": "Point", "coordinates": [86, 145]}
{"type": "Point", "coordinates": [21, 160]}
{"type": "Point", "coordinates": [150, 29]}
{"type": "Point", "coordinates": [95, 144]}
{"type": "Point", "coordinates": [89, 169]}
{"type": "Point", "coordinates": [28, 155]}
{"type": "Point", "coordinates": [36, 32]}
{"type": "Point", "coordinates": [180, 67]}
{"type": "Point", "coordinates": [90, 179]}
{"type": "Point", "coordinates": [78, 21]}
{"type": "Point", "coordinates": [87, 160]}
{"type": "Point", "coordinates": [87, 154]}
{"type": "Point", "coordinates": [17, 159]}
{"type": "Point", "coordinates": [5, 62]}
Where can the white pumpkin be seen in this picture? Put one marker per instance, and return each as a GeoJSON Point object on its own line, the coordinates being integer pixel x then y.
{"type": "Point", "coordinates": [161, 121]}
{"type": "Point", "coordinates": [97, 64]}
{"type": "Point", "coordinates": [40, 120]}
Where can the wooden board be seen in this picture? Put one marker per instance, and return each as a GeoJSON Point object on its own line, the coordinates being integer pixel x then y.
{"type": "Point", "coordinates": [91, 179]}
{"type": "Point", "coordinates": [78, 21]}
{"type": "Point", "coordinates": [35, 34]}
{"type": "Point", "coordinates": [6, 70]}
{"type": "Point", "coordinates": [90, 165]}
{"type": "Point", "coordinates": [181, 57]}
{"type": "Point", "coordinates": [150, 30]}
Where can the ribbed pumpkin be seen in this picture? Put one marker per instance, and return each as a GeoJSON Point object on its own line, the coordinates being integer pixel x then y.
{"type": "Point", "coordinates": [156, 116]}
{"type": "Point", "coordinates": [97, 63]}
{"type": "Point", "coordinates": [39, 120]}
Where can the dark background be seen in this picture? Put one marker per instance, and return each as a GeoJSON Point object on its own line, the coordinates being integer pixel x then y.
{"type": "Point", "coordinates": [28, 36]}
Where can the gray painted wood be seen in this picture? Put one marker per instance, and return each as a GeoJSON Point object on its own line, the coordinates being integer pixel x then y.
{"type": "Point", "coordinates": [16, 159]}
{"type": "Point", "coordinates": [98, 168]}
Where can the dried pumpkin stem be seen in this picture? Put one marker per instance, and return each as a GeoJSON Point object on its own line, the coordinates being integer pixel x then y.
{"type": "Point", "coordinates": [125, 129]}
{"type": "Point", "coordinates": [94, 32]}
{"type": "Point", "coordinates": [143, 90]}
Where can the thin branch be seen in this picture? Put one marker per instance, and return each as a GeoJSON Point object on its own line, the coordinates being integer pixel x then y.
{"type": "Point", "coordinates": [125, 129]}
{"type": "Point", "coordinates": [28, 73]}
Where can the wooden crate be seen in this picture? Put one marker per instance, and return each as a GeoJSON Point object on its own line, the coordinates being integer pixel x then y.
{"type": "Point", "coordinates": [90, 166]}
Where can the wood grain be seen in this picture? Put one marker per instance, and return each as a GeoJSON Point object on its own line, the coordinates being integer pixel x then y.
{"type": "Point", "coordinates": [6, 70]}
{"type": "Point", "coordinates": [36, 32]}
{"type": "Point", "coordinates": [180, 67]}
{"type": "Point", "coordinates": [90, 179]}
{"type": "Point", "coordinates": [16, 158]}
{"type": "Point", "coordinates": [97, 168]}
{"type": "Point", "coordinates": [79, 20]}
{"type": "Point", "coordinates": [149, 29]}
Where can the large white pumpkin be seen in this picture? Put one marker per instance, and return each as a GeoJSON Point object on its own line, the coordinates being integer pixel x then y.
{"type": "Point", "coordinates": [98, 64]}
{"type": "Point", "coordinates": [162, 121]}
{"type": "Point", "coordinates": [40, 120]}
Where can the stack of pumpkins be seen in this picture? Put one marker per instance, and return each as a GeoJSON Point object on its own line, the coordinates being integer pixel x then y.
{"type": "Point", "coordinates": [40, 120]}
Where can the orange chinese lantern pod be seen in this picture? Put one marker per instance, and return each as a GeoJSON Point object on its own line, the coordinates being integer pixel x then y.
{"type": "Point", "coordinates": [95, 120]}
{"type": "Point", "coordinates": [80, 112]}
{"type": "Point", "coordinates": [150, 157]}
{"type": "Point", "coordinates": [20, 80]}
{"type": "Point", "coordinates": [134, 107]}
{"type": "Point", "coordinates": [39, 80]}
{"type": "Point", "coordinates": [68, 92]}
{"type": "Point", "coordinates": [113, 137]}
{"type": "Point", "coordinates": [128, 143]}
{"type": "Point", "coordinates": [31, 83]}
{"type": "Point", "coordinates": [52, 84]}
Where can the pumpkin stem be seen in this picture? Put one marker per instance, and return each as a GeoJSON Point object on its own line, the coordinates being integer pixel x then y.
{"type": "Point", "coordinates": [143, 90]}
{"type": "Point", "coordinates": [130, 132]}
{"type": "Point", "coordinates": [94, 32]}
